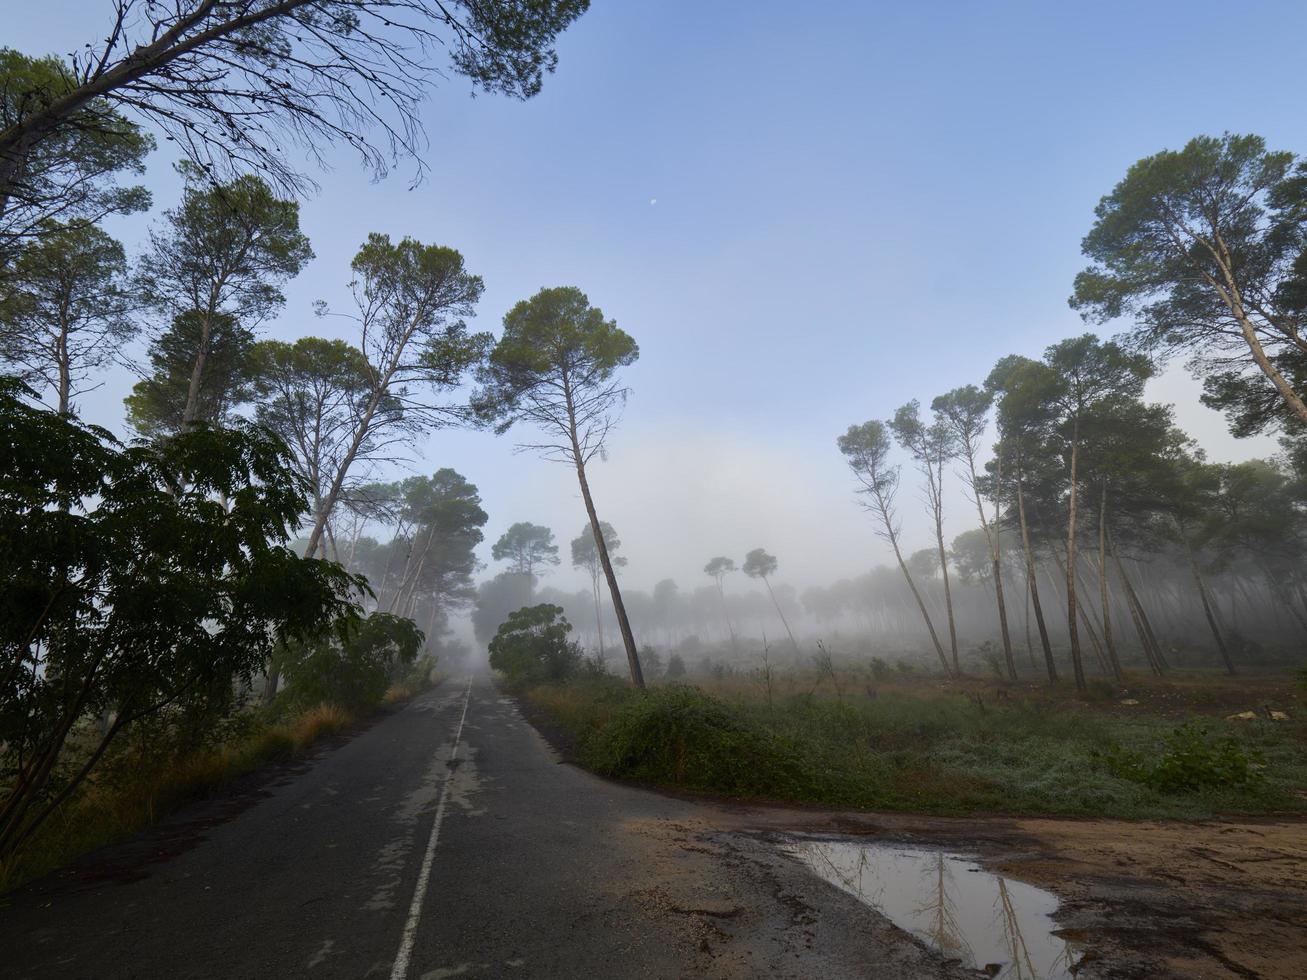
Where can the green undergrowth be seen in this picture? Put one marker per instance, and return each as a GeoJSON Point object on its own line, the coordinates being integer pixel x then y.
{"type": "Point", "coordinates": [940, 754]}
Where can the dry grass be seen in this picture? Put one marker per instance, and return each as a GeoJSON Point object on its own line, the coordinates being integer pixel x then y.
{"type": "Point", "coordinates": [105, 811]}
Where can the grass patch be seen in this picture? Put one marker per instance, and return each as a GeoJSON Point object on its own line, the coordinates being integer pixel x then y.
{"type": "Point", "coordinates": [934, 748]}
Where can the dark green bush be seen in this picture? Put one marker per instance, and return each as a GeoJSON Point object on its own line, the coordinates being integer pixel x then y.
{"type": "Point", "coordinates": [680, 736]}
{"type": "Point", "coordinates": [532, 646]}
{"type": "Point", "coordinates": [353, 671]}
{"type": "Point", "coordinates": [1190, 762]}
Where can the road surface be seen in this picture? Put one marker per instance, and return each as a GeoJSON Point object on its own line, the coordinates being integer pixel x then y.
{"type": "Point", "coordinates": [445, 840]}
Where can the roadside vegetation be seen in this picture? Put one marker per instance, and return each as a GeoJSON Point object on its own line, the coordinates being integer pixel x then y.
{"type": "Point", "coordinates": [848, 738]}
{"type": "Point", "coordinates": [160, 769]}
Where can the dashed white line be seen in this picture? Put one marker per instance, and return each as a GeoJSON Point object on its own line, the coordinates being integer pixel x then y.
{"type": "Point", "coordinates": [400, 970]}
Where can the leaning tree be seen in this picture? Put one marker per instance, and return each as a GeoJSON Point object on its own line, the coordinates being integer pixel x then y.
{"type": "Point", "coordinates": [866, 448]}
{"type": "Point", "coordinates": [1207, 247]}
{"type": "Point", "coordinates": [556, 367]}
{"type": "Point", "coordinates": [759, 564]}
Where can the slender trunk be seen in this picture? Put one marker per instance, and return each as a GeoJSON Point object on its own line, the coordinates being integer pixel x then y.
{"type": "Point", "coordinates": [784, 623]}
{"type": "Point", "coordinates": [65, 369]}
{"type": "Point", "coordinates": [329, 502]}
{"type": "Point", "coordinates": [948, 593]}
{"type": "Point", "coordinates": [1207, 607]}
{"type": "Point", "coordinates": [1033, 586]}
{"type": "Point", "coordinates": [1076, 663]}
{"type": "Point", "coordinates": [1030, 642]}
{"type": "Point", "coordinates": [1104, 599]}
{"type": "Point", "coordinates": [599, 616]}
{"type": "Point", "coordinates": [898, 555]}
{"type": "Point", "coordinates": [735, 645]}
{"type": "Point", "coordinates": [619, 608]}
{"type": "Point", "coordinates": [995, 551]}
{"type": "Point", "coordinates": [197, 370]}
{"type": "Point", "coordinates": [1151, 650]}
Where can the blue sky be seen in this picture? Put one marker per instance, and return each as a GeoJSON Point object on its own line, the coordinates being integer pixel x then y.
{"type": "Point", "coordinates": [856, 204]}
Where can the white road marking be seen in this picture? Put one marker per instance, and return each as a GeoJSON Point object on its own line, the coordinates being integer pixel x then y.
{"type": "Point", "coordinates": [400, 970]}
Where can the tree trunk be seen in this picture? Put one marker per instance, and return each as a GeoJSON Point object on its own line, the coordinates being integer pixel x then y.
{"type": "Point", "coordinates": [1031, 583]}
{"type": "Point", "coordinates": [623, 624]}
{"type": "Point", "coordinates": [65, 369]}
{"type": "Point", "coordinates": [1207, 607]}
{"type": "Point", "coordinates": [197, 370]}
{"type": "Point", "coordinates": [784, 623]}
{"type": "Point", "coordinates": [735, 644]}
{"type": "Point", "coordinates": [599, 616]}
{"type": "Point", "coordinates": [1076, 663]}
{"type": "Point", "coordinates": [1152, 651]}
{"type": "Point", "coordinates": [948, 593]}
{"type": "Point", "coordinates": [329, 502]}
{"type": "Point", "coordinates": [995, 551]}
{"type": "Point", "coordinates": [883, 508]}
{"type": "Point", "coordinates": [1104, 598]}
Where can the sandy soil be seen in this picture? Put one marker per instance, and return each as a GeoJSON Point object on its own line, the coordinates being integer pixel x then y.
{"type": "Point", "coordinates": [1218, 900]}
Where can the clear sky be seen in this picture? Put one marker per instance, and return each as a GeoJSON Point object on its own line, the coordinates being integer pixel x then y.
{"type": "Point", "coordinates": [806, 214]}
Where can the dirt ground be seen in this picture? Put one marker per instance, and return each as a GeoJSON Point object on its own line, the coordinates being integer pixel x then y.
{"type": "Point", "coordinates": [1218, 900]}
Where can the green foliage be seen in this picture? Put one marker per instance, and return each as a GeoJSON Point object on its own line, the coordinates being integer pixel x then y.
{"type": "Point", "coordinates": [904, 752]}
{"type": "Point", "coordinates": [554, 341]}
{"type": "Point", "coordinates": [71, 175]}
{"type": "Point", "coordinates": [525, 546]}
{"type": "Point", "coordinates": [354, 669]}
{"type": "Point", "coordinates": [157, 405]}
{"type": "Point", "coordinates": [226, 249]}
{"type": "Point", "coordinates": [680, 736]}
{"type": "Point", "coordinates": [64, 309]}
{"type": "Point", "coordinates": [1191, 761]}
{"type": "Point", "coordinates": [129, 586]}
{"type": "Point", "coordinates": [880, 670]}
{"type": "Point", "coordinates": [532, 646]}
{"type": "Point", "coordinates": [759, 564]}
{"type": "Point", "coordinates": [1204, 247]}
{"type": "Point", "coordinates": [585, 551]}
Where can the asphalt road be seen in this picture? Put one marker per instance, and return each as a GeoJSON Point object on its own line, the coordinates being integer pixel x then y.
{"type": "Point", "coordinates": [445, 840]}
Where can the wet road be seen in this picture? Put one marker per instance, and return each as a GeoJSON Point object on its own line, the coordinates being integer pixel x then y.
{"type": "Point", "coordinates": [445, 840]}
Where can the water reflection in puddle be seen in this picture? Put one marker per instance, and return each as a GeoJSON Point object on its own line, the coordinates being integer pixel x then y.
{"type": "Point", "coordinates": [950, 902]}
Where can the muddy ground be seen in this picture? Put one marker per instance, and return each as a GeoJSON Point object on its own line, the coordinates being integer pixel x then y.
{"type": "Point", "coordinates": [1218, 900]}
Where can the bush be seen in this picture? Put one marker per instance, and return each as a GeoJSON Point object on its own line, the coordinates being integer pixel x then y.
{"type": "Point", "coordinates": [1191, 762]}
{"type": "Point", "coordinates": [880, 670]}
{"type": "Point", "coordinates": [353, 671]}
{"type": "Point", "coordinates": [680, 736]}
{"type": "Point", "coordinates": [532, 646]}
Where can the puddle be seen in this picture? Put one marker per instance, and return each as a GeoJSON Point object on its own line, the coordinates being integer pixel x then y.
{"type": "Point", "coordinates": [951, 903]}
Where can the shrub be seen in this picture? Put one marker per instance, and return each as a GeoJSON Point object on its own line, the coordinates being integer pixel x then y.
{"type": "Point", "coordinates": [1191, 762]}
{"type": "Point", "coordinates": [880, 670]}
{"type": "Point", "coordinates": [353, 671]}
{"type": "Point", "coordinates": [680, 736]}
{"type": "Point", "coordinates": [532, 646]}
